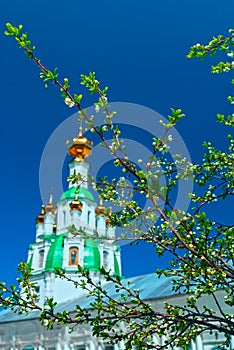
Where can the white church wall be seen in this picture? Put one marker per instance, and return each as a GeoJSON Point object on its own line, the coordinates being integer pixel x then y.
{"type": "Point", "coordinates": [38, 261]}
{"type": "Point", "coordinates": [64, 290]}
{"type": "Point", "coordinates": [48, 225]}
{"type": "Point", "coordinates": [79, 167]}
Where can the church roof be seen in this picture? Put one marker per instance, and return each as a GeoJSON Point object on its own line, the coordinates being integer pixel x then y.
{"type": "Point", "coordinates": [149, 286]}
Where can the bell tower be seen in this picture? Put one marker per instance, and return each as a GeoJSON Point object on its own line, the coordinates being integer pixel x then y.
{"type": "Point", "coordinates": [73, 232]}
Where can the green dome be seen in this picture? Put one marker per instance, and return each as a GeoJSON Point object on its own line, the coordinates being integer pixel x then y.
{"type": "Point", "coordinates": [83, 193]}
{"type": "Point", "coordinates": [92, 259]}
{"type": "Point", "coordinates": [55, 255]}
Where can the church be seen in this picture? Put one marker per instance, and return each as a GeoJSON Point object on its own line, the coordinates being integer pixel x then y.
{"type": "Point", "coordinates": [55, 246]}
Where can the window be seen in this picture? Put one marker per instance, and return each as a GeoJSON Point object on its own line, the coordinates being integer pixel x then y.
{"type": "Point", "coordinates": [64, 218]}
{"type": "Point", "coordinates": [88, 217]}
{"type": "Point", "coordinates": [73, 256]}
{"type": "Point", "coordinates": [79, 347]}
{"type": "Point", "coordinates": [105, 259]}
{"type": "Point", "coordinates": [96, 223]}
{"type": "Point", "coordinates": [41, 258]}
{"type": "Point", "coordinates": [109, 347]}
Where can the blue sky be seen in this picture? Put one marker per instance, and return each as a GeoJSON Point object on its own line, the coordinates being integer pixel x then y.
{"type": "Point", "coordinates": [136, 48]}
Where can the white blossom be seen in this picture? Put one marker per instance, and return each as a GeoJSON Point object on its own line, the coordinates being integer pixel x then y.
{"type": "Point", "coordinates": [69, 102]}
{"type": "Point", "coordinates": [45, 322]}
{"type": "Point", "coordinates": [97, 108]}
{"type": "Point", "coordinates": [170, 138]}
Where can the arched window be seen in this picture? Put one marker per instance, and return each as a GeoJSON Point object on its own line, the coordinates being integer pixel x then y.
{"type": "Point", "coordinates": [96, 222]}
{"type": "Point", "coordinates": [105, 259]}
{"type": "Point", "coordinates": [88, 217]}
{"type": "Point", "coordinates": [41, 258]}
{"type": "Point", "coordinates": [64, 218]}
{"type": "Point", "coordinates": [73, 256]}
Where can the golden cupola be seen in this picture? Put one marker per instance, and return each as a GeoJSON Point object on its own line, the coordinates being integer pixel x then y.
{"type": "Point", "coordinates": [108, 217]}
{"type": "Point", "coordinates": [101, 209]}
{"type": "Point", "coordinates": [40, 218]}
{"type": "Point", "coordinates": [80, 148]}
{"type": "Point", "coordinates": [50, 208]}
{"type": "Point", "coordinates": [76, 204]}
